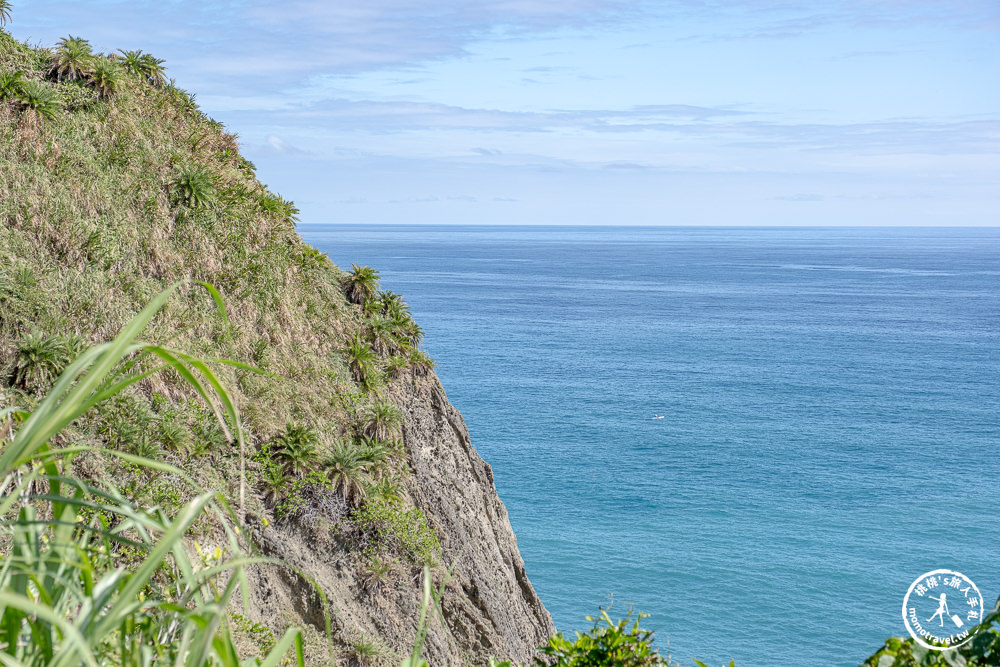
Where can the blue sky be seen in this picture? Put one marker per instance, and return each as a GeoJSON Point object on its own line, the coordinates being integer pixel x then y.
{"type": "Point", "coordinates": [690, 112]}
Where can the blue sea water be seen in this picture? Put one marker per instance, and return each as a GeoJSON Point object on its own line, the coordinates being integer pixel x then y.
{"type": "Point", "coordinates": [832, 417]}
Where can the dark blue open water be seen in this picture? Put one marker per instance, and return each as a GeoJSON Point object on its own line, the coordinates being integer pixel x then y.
{"type": "Point", "coordinates": [832, 415]}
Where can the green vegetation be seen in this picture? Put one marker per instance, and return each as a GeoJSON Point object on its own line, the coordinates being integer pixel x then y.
{"type": "Point", "coordinates": [982, 650]}
{"type": "Point", "coordinates": [622, 643]}
{"type": "Point", "coordinates": [388, 530]}
{"type": "Point", "coordinates": [114, 185]}
{"type": "Point", "coordinates": [89, 577]}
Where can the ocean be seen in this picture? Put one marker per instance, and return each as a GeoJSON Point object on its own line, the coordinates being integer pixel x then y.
{"type": "Point", "coordinates": [831, 417]}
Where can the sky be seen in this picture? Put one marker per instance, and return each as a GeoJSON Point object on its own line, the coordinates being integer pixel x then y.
{"type": "Point", "coordinates": [676, 112]}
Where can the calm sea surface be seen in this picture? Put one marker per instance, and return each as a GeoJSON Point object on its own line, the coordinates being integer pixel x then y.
{"type": "Point", "coordinates": [832, 417]}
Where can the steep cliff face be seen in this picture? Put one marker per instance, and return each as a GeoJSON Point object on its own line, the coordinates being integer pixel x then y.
{"type": "Point", "coordinates": [489, 606]}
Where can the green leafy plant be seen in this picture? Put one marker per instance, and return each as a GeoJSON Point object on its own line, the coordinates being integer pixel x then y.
{"type": "Point", "coordinates": [40, 359]}
{"type": "Point", "coordinates": [5, 7]}
{"type": "Point", "coordinates": [376, 575]}
{"type": "Point", "coordinates": [361, 284]}
{"type": "Point", "coordinates": [105, 78]}
{"type": "Point", "coordinates": [621, 643]}
{"type": "Point", "coordinates": [280, 207]}
{"type": "Point", "coordinates": [394, 531]}
{"type": "Point", "coordinates": [382, 420]}
{"type": "Point", "coordinates": [39, 99]}
{"type": "Point", "coordinates": [365, 650]}
{"type": "Point", "coordinates": [983, 650]}
{"type": "Point", "coordinates": [72, 59]}
{"type": "Point", "coordinates": [295, 449]}
{"type": "Point", "coordinates": [362, 362]}
{"type": "Point", "coordinates": [420, 362]}
{"type": "Point", "coordinates": [194, 186]}
{"type": "Point", "coordinates": [349, 470]}
{"type": "Point", "coordinates": [11, 84]}
{"type": "Point", "coordinates": [144, 65]}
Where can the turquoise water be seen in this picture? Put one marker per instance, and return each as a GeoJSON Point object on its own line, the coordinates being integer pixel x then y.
{"type": "Point", "coordinates": [831, 403]}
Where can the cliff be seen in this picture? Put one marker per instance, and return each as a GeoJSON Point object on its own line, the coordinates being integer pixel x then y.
{"type": "Point", "coordinates": [113, 184]}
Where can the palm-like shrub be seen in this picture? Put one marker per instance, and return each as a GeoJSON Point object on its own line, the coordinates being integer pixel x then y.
{"type": "Point", "coordinates": [39, 99]}
{"type": "Point", "coordinates": [275, 483]}
{"type": "Point", "coordinates": [105, 78]}
{"type": "Point", "coordinates": [384, 336]}
{"type": "Point", "coordinates": [347, 467]}
{"type": "Point", "coordinates": [391, 303]}
{"type": "Point", "coordinates": [279, 206]}
{"type": "Point", "coordinates": [361, 284]}
{"type": "Point", "coordinates": [378, 454]}
{"type": "Point", "coordinates": [72, 59]}
{"type": "Point", "coordinates": [144, 65]}
{"type": "Point", "coordinates": [11, 84]}
{"type": "Point", "coordinates": [40, 359]}
{"type": "Point", "coordinates": [420, 362]}
{"type": "Point", "coordinates": [295, 449]}
{"type": "Point", "coordinates": [4, 11]}
{"type": "Point", "coordinates": [194, 186]}
{"type": "Point", "coordinates": [361, 359]}
{"type": "Point", "coordinates": [382, 420]}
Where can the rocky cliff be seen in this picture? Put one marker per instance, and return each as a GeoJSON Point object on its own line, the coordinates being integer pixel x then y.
{"type": "Point", "coordinates": [489, 606]}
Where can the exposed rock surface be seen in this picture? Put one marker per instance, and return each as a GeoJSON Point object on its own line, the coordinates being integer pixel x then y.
{"type": "Point", "coordinates": [489, 605]}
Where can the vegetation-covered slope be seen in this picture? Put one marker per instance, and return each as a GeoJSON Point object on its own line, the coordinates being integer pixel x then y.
{"type": "Point", "coordinates": [113, 185]}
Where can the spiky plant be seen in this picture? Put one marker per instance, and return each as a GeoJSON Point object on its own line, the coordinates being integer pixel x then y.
{"type": "Point", "coordinates": [360, 358]}
{"type": "Point", "coordinates": [144, 65]}
{"type": "Point", "coordinates": [391, 303]}
{"type": "Point", "coordinates": [274, 482]}
{"type": "Point", "coordinates": [38, 361]}
{"type": "Point", "coordinates": [39, 99]}
{"type": "Point", "coordinates": [382, 420]}
{"type": "Point", "coordinates": [388, 489]}
{"type": "Point", "coordinates": [295, 449]}
{"type": "Point", "coordinates": [105, 78]}
{"type": "Point", "coordinates": [377, 454]}
{"type": "Point", "coordinates": [395, 364]}
{"type": "Point", "coordinates": [376, 575]}
{"type": "Point", "coordinates": [365, 650]}
{"type": "Point", "coordinates": [11, 84]}
{"type": "Point", "coordinates": [420, 362]}
{"type": "Point", "coordinates": [279, 206]}
{"type": "Point", "coordinates": [5, 7]}
{"type": "Point", "coordinates": [409, 330]}
{"type": "Point", "coordinates": [194, 186]}
{"type": "Point", "coordinates": [348, 470]}
{"type": "Point", "coordinates": [361, 284]}
{"type": "Point", "coordinates": [384, 336]}
{"type": "Point", "coordinates": [175, 436]}
{"type": "Point", "coordinates": [72, 59]}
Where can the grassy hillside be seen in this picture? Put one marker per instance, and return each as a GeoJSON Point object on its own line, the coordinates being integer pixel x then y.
{"type": "Point", "coordinates": [113, 185]}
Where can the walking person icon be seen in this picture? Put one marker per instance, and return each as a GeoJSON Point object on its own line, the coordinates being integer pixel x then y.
{"type": "Point", "coordinates": [942, 607]}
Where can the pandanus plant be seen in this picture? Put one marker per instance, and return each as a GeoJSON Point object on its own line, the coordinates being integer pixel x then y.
{"type": "Point", "coordinates": [361, 284]}
{"type": "Point", "coordinates": [72, 59]}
